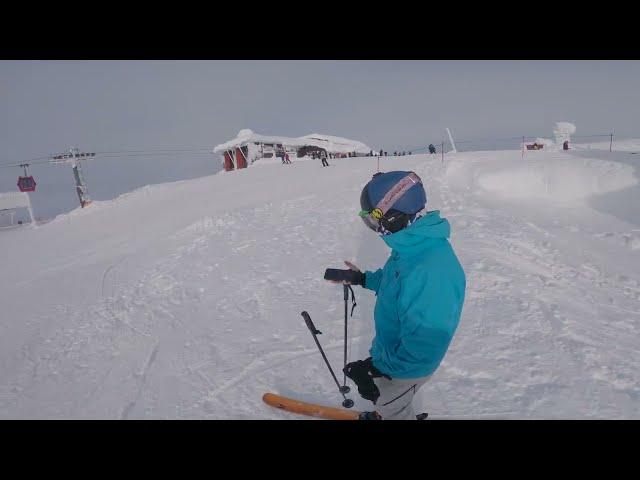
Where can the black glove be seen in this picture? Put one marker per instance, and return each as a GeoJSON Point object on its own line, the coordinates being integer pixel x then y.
{"type": "Point", "coordinates": [352, 277]}
{"type": "Point", "coordinates": [357, 278]}
{"type": "Point", "coordinates": [362, 373]}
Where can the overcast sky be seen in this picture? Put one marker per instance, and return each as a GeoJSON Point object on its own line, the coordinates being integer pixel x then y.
{"type": "Point", "coordinates": [47, 106]}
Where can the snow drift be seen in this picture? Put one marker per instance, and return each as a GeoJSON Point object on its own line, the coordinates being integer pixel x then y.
{"type": "Point", "coordinates": [570, 180]}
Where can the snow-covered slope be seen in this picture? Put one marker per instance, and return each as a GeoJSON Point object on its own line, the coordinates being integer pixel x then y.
{"type": "Point", "coordinates": [623, 145]}
{"type": "Point", "coordinates": [183, 300]}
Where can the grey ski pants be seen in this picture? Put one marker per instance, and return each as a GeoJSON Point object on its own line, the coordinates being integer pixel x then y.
{"type": "Point", "coordinates": [396, 396]}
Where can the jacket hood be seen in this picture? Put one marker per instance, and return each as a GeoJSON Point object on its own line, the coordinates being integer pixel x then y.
{"type": "Point", "coordinates": [420, 234]}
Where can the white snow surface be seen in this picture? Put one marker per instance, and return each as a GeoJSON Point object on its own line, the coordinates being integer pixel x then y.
{"type": "Point", "coordinates": [183, 300]}
{"type": "Point", "coordinates": [623, 145]}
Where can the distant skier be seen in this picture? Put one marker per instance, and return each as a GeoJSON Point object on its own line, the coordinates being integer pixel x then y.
{"type": "Point", "coordinates": [432, 149]}
{"type": "Point", "coordinates": [420, 292]}
{"type": "Point", "coordinates": [324, 160]}
{"type": "Point", "coordinates": [286, 158]}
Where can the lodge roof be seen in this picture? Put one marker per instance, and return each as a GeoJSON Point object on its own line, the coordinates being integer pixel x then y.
{"type": "Point", "coordinates": [328, 142]}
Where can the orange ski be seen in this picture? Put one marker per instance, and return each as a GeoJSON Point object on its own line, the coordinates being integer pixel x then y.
{"type": "Point", "coordinates": [310, 409]}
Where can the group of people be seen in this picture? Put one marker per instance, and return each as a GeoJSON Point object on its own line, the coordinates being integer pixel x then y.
{"type": "Point", "coordinates": [323, 155]}
{"type": "Point", "coordinates": [383, 153]}
{"type": "Point", "coordinates": [285, 158]}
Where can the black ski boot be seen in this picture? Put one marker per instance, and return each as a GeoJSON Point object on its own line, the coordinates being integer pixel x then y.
{"type": "Point", "coordinates": [369, 416]}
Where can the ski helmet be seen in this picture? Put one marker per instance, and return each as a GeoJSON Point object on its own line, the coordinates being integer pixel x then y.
{"type": "Point", "coordinates": [391, 200]}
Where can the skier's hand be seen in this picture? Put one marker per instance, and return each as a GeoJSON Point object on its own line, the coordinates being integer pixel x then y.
{"type": "Point", "coordinates": [362, 372]}
{"type": "Point", "coordinates": [358, 279]}
{"type": "Point", "coordinates": [351, 266]}
{"type": "Point", "coordinates": [344, 277]}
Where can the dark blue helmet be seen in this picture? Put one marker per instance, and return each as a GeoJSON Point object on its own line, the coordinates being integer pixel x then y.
{"type": "Point", "coordinates": [391, 200]}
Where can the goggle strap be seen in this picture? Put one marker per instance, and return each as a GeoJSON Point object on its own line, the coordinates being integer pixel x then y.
{"type": "Point", "coordinates": [397, 191]}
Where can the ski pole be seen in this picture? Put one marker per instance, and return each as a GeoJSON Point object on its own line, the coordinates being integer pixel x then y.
{"type": "Point", "coordinates": [347, 289]}
{"type": "Point", "coordinates": [345, 388]}
{"type": "Point", "coordinates": [347, 403]}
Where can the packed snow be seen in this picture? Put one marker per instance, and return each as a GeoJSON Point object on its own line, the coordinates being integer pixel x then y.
{"type": "Point", "coordinates": [183, 300]}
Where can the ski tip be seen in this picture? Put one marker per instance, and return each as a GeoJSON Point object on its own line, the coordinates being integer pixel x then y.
{"type": "Point", "coordinates": [309, 409]}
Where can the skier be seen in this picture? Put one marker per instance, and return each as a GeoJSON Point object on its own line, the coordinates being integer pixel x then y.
{"type": "Point", "coordinates": [286, 158]}
{"type": "Point", "coordinates": [323, 156]}
{"type": "Point", "coordinates": [420, 292]}
{"type": "Point", "coordinates": [432, 149]}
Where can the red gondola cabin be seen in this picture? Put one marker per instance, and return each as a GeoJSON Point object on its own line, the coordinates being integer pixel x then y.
{"type": "Point", "coordinates": [26, 184]}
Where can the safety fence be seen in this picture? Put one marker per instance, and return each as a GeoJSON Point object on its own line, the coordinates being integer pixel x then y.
{"type": "Point", "coordinates": [604, 141]}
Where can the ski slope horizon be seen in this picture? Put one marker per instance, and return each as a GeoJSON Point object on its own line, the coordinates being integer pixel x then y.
{"type": "Point", "coordinates": [182, 300]}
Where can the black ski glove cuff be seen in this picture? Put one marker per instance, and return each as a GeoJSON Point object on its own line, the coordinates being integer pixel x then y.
{"type": "Point", "coordinates": [353, 277]}
{"type": "Point", "coordinates": [358, 278]}
{"type": "Point", "coordinates": [362, 372]}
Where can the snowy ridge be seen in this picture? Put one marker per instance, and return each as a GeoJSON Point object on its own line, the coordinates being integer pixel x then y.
{"type": "Point", "coordinates": [183, 300]}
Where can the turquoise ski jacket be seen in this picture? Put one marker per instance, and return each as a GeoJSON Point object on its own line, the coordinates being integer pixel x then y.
{"type": "Point", "coordinates": [420, 292]}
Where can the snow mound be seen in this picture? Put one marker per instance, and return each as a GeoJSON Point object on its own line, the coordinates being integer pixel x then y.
{"type": "Point", "coordinates": [631, 145]}
{"type": "Point", "coordinates": [565, 128]}
{"type": "Point", "coordinates": [564, 181]}
{"type": "Point", "coordinates": [245, 133]}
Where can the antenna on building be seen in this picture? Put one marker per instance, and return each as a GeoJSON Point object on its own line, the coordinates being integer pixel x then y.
{"type": "Point", "coordinates": [73, 158]}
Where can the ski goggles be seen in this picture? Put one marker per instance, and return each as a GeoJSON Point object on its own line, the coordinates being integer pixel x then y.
{"type": "Point", "coordinates": [371, 219]}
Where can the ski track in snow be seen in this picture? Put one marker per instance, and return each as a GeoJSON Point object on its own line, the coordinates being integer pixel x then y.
{"type": "Point", "coordinates": [202, 320]}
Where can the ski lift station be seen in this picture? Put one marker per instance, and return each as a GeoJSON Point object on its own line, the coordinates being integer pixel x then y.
{"type": "Point", "coordinates": [11, 203]}
{"type": "Point", "coordinates": [249, 147]}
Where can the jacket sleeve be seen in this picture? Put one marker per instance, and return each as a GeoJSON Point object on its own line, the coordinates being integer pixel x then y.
{"type": "Point", "coordinates": [372, 279]}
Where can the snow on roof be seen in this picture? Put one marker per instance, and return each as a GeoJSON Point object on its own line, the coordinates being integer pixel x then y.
{"type": "Point", "coordinates": [328, 142]}
{"type": "Point", "coordinates": [339, 144]}
{"type": "Point", "coordinates": [10, 200]}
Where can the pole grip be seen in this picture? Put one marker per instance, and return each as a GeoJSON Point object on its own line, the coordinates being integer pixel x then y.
{"type": "Point", "coordinates": [312, 328]}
